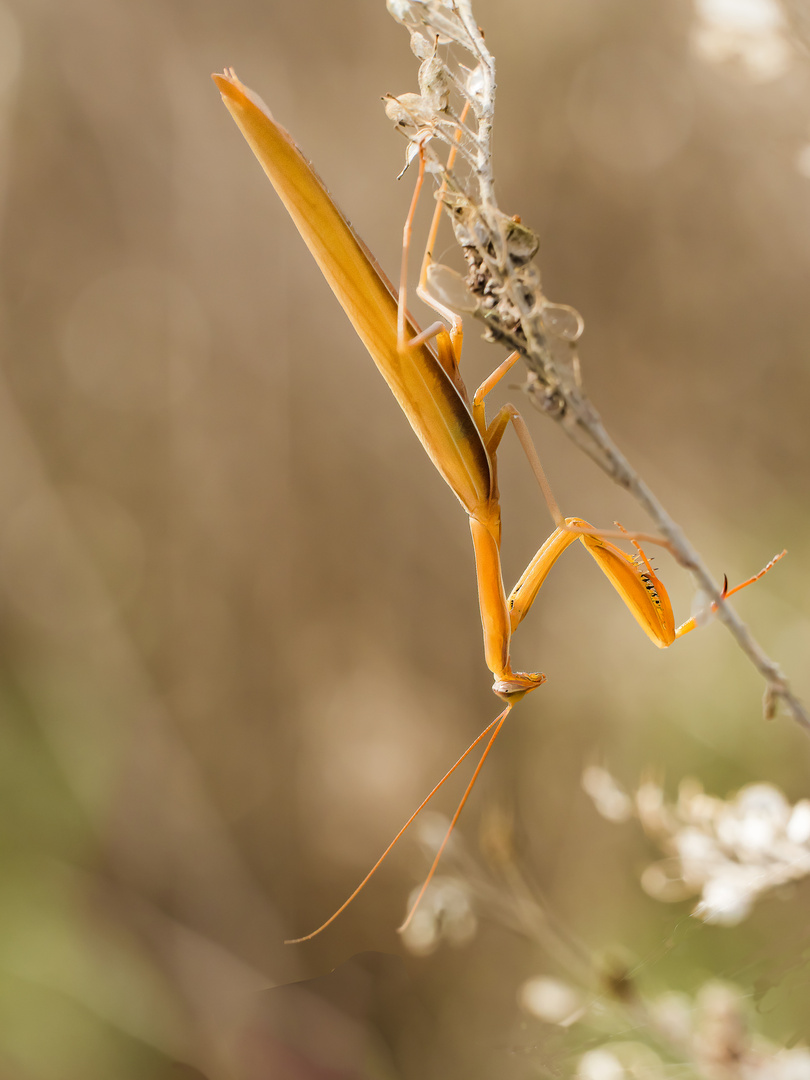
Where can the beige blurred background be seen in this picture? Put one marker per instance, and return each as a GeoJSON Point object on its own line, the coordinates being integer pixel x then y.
{"type": "Point", "coordinates": [239, 628]}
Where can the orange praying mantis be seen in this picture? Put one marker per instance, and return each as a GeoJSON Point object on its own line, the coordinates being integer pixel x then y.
{"type": "Point", "coordinates": [422, 371]}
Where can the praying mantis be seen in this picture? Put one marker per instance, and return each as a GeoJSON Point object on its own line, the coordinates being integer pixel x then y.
{"type": "Point", "coordinates": [422, 371]}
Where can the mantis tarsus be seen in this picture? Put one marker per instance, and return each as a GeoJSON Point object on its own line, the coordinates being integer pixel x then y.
{"type": "Point", "coordinates": [422, 370]}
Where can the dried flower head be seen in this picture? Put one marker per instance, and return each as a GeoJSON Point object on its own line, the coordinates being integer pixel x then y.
{"type": "Point", "coordinates": [457, 80]}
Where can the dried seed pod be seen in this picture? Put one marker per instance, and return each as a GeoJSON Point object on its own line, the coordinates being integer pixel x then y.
{"type": "Point", "coordinates": [450, 288]}
{"type": "Point", "coordinates": [563, 321]}
{"type": "Point", "coordinates": [409, 112]}
{"type": "Point", "coordinates": [521, 242]}
{"type": "Point", "coordinates": [434, 84]}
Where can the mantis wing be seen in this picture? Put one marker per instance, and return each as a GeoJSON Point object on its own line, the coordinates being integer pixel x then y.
{"type": "Point", "coordinates": [434, 407]}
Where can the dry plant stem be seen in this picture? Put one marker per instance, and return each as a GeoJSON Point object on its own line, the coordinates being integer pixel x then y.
{"type": "Point", "coordinates": [553, 389]}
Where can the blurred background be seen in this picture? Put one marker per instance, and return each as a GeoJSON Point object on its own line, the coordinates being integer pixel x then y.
{"type": "Point", "coordinates": [240, 638]}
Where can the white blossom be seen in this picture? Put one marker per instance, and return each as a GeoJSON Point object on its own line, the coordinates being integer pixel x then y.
{"type": "Point", "coordinates": [748, 35]}
{"type": "Point", "coordinates": [711, 1035]}
{"type": "Point", "coordinates": [551, 1000]}
{"type": "Point", "coordinates": [728, 852]}
{"type": "Point", "coordinates": [444, 914]}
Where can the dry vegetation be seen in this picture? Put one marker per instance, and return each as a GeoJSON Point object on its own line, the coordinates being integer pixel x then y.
{"type": "Point", "coordinates": [239, 628]}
